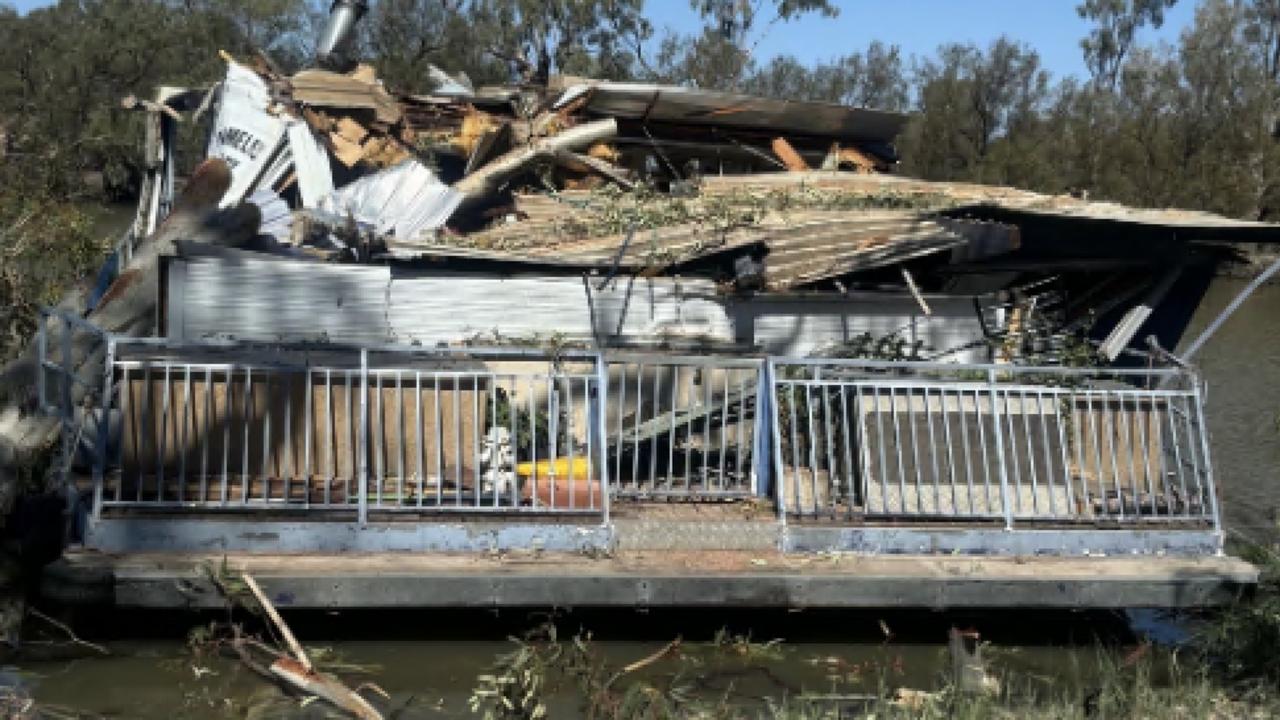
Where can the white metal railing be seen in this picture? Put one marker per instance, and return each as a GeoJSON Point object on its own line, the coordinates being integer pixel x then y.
{"type": "Point", "coordinates": [682, 426]}
{"type": "Point", "coordinates": [355, 432]}
{"type": "Point", "coordinates": [64, 343]}
{"type": "Point", "coordinates": [368, 430]}
{"type": "Point", "coordinates": [1017, 445]}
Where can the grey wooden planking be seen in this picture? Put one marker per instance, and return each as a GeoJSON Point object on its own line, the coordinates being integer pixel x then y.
{"type": "Point", "coordinates": [663, 579]}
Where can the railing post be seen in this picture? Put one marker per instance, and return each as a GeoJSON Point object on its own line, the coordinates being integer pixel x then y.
{"type": "Point", "coordinates": [602, 430]}
{"type": "Point", "coordinates": [761, 434]}
{"type": "Point", "coordinates": [362, 454]}
{"type": "Point", "coordinates": [1203, 432]}
{"type": "Point", "coordinates": [1005, 500]}
{"type": "Point", "coordinates": [104, 425]}
{"type": "Point", "coordinates": [769, 383]}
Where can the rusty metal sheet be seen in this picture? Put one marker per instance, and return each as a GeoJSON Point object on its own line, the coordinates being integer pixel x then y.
{"type": "Point", "coordinates": [674, 104]}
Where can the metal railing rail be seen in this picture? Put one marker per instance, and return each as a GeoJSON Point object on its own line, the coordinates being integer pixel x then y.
{"type": "Point", "coordinates": [388, 429]}
{"type": "Point", "coordinates": [683, 426]}
{"type": "Point", "coordinates": [349, 433]}
{"type": "Point", "coordinates": [59, 380]}
{"type": "Point", "coordinates": [1011, 445]}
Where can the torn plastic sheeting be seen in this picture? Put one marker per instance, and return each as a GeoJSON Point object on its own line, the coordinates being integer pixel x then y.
{"type": "Point", "coordinates": [404, 200]}
{"type": "Point", "coordinates": [244, 133]}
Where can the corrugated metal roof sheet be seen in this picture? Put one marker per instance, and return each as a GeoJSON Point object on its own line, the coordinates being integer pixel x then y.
{"type": "Point", "coordinates": [1012, 201]}
{"type": "Point", "coordinates": [448, 306]}
{"type": "Point", "coordinates": [693, 106]}
{"type": "Point", "coordinates": [272, 299]}
{"type": "Point", "coordinates": [802, 247]}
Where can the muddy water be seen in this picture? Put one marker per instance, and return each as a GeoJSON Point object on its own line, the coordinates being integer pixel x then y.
{"type": "Point", "coordinates": [1242, 367]}
{"type": "Point", "coordinates": [160, 680]}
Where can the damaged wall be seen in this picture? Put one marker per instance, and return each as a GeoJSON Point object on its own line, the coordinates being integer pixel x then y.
{"type": "Point", "coordinates": [272, 299]}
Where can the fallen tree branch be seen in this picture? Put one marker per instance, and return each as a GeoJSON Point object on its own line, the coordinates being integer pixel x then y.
{"type": "Point", "coordinates": [325, 687]}
{"type": "Point", "coordinates": [645, 661]}
{"type": "Point", "coordinates": [294, 646]}
{"type": "Point", "coordinates": [133, 102]}
{"type": "Point", "coordinates": [71, 635]}
{"type": "Point", "coordinates": [486, 180]}
{"type": "Point", "coordinates": [298, 671]}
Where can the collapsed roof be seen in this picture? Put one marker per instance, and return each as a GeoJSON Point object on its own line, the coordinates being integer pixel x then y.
{"type": "Point", "coordinates": [620, 176]}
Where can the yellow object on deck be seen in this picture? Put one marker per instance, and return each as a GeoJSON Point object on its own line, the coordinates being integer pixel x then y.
{"type": "Point", "coordinates": [560, 467]}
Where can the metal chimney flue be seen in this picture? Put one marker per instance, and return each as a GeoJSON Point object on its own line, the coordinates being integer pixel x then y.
{"type": "Point", "coordinates": [335, 41]}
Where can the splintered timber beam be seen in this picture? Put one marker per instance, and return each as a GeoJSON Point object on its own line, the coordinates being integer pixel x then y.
{"type": "Point", "coordinates": [486, 180]}
{"type": "Point", "coordinates": [788, 155]}
{"type": "Point", "coordinates": [585, 163]}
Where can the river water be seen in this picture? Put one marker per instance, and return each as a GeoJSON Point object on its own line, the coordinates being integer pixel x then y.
{"type": "Point", "coordinates": [1241, 365]}
{"type": "Point", "coordinates": [829, 656]}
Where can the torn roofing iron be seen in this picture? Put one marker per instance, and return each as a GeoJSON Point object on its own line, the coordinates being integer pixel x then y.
{"type": "Point", "coordinates": [1003, 204]}
{"type": "Point", "coordinates": [799, 249]}
{"type": "Point", "coordinates": [684, 105]}
{"type": "Point", "coordinates": [403, 201]}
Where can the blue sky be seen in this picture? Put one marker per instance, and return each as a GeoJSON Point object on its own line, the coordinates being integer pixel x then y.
{"type": "Point", "coordinates": [919, 26]}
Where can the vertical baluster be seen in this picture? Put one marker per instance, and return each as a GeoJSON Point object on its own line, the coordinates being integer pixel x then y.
{"type": "Point", "coordinates": [915, 449]}
{"type": "Point", "coordinates": [1059, 401]}
{"type": "Point", "coordinates": [476, 418]}
{"type": "Point", "coordinates": [833, 483]}
{"type": "Point", "coordinates": [1142, 421]}
{"type": "Point", "coordinates": [724, 431]}
{"type": "Point", "coordinates": [897, 444]}
{"type": "Point", "coordinates": [933, 451]}
{"type": "Point", "coordinates": [127, 420]}
{"type": "Point", "coordinates": [307, 421]}
{"type": "Point", "coordinates": [182, 433]}
{"type": "Point", "coordinates": [1179, 468]}
{"type": "Point", "coordinates": [400, 439]}
{"type": "Point", "coordinates": [1031, 452]}
{"type": "Point", "coordinates": [228, 416]}
{"type": "Point", "coordinates": [848, 423]}
{"type": "Point", "coordinates": [671, 439]}
{"type": "Point", "coordinates": [287, 463]}
{"type": "Point", "coordinates": [653, 436]}
{"type": "Point", "coordinates": [457, 440]}
{"type": "Point", "coordinates": [266, 439]}
{"type": "Point", "coordinates": [420, 437]}
{"type": "Point", "coordinates": [1048, 456]}
{"type": "Point", "coordinates": [246, 478]}
{"type": "Point", "coordinates": [951, 461]}
{"type": "Point", "coordinates": [204, 434]}
{"type": "Point", "coordinates": [638, 416]}
{"type": "Point", "coordinates": [622, 413]}
{"type": "Point", "coordinates": [570, 440]}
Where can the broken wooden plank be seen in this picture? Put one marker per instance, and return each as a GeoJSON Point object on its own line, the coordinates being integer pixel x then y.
{"type": "Point", "coordinates": [348, 153]}
{"type": "Point", "coordinates": [788, 155]}
{"type": "Point", "coordinates": [321, 88]}
{"type": "Point", "coordinates": [585, 163]}
{"type": "Point", "coordinates": [859, 160]}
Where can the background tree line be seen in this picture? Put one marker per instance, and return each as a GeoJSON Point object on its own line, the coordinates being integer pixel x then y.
{"type": "Point", "coordinates": [1191, 124]}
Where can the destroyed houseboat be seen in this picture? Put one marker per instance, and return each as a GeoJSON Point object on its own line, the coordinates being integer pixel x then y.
{"type": "Point", "coordinates": [598, 315]}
